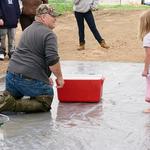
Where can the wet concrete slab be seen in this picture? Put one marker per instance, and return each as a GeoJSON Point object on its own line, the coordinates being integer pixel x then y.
{"type": "Point", "coordinates": [116, 123]}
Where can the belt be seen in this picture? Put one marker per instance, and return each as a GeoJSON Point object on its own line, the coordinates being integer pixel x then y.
{"type": "Point", "coordinates": [20, 75]}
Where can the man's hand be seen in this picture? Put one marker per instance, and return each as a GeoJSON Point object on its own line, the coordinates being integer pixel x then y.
{"type": "Point", "coordinates": [60, 82]}
{"type": "Point", "coordinates": [1, 22]}
{"type": "Point", "coordinates": [51, 81]}
{"type": "Point", "coordinates": [56, 70]}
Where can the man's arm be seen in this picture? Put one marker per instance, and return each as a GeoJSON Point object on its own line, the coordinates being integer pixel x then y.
{"type": "Point", "coordinates": [56, 69]}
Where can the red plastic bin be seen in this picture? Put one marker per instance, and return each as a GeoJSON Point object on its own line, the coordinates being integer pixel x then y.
{"type": "Point", "coordinates": [80, 89]}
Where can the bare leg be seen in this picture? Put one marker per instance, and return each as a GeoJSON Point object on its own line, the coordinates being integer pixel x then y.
{"type": "Point", "coordinates": [147, 110]}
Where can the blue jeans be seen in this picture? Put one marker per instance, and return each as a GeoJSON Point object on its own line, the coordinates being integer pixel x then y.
{"type": "Point", "coordinates": [88, 16]}
{"type": "Point", "coordinates": [19, 86]}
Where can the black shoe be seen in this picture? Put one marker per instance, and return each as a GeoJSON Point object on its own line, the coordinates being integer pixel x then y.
{"type": "Point", "coordinates": [4, 54]}
{"type": "Point", "coordinates": [10, 54]}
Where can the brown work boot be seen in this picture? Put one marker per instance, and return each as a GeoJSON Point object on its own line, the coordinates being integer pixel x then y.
{"type": "Point", "coordinates": [104, 45]}
{"type": "Point", "coordinates": [46, 101]}
{"type": "Point", "coordinates": [29, 106]}
{"type": "Point", "coordinates": [36, 104]}
{"type": "Point", "coordinates": [81, 47]}
{"type": "Point", "coordinates": [7, 103]}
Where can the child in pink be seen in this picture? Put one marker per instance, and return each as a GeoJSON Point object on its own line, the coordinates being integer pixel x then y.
{"type": "Point", "coordinates": [144, 34]}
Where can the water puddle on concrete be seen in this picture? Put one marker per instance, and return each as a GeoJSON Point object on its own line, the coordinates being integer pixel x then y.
{"type": "Point", "coordinates": [115, 123]}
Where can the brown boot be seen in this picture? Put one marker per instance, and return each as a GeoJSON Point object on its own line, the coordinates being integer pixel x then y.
{"type": "Point", "coordinates": [104, 45]}
{"type": "Point", "coordinates": [81, 47]}
{"type": "Point", "coordinates": [7, 103]}
{"type": "Point", "coordinates": [39, 104]}
{"type": "Point", "coordinates": [46, 100]}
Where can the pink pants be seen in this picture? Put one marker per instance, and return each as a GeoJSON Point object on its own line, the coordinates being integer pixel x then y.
{"type": "Point", "coordinates": [147, 97]}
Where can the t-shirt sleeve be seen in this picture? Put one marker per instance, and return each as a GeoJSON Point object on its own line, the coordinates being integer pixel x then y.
{"type": "Point", "coordinates": [95, 3]}
{"type": "Point", "coordinates": [51, 49]}
{"type": "Point", "coordinates": [146, 41]}
{"type": "Point", "coordinates": [76, 2]}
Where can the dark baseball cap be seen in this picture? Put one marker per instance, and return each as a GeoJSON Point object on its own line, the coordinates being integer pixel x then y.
{"type": "Point", "coordinates": [46, 9]}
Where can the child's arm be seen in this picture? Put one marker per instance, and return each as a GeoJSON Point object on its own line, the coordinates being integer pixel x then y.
{"type": "Point", "coordinates": [94, 5]}
{"type": "Point", "coordinates": [147, 61]}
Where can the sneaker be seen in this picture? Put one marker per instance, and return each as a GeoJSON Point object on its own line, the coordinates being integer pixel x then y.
{"type": "Point", "coordinates": [104, 45]}
{"type": "Point", "coordinates": [1, 56]}
{"type": "Point", "coordinates": [4, 51]}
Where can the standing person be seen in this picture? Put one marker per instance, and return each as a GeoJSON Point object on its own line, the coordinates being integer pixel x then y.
{"type": "Point", "coordinates": [2, 33]}
{"type": "Point", "coordinates": [31, 64]}
{"type": "Point", "coordinates": [28, 11]}
{"type": "Point", "coordinates": [10, 32]}
{"type": "Point", "coordinates": [83, 11]}
{"type": "Point", "coordinates": [144, 34]}
{"type": "Point", "coordinates": [9, 15]}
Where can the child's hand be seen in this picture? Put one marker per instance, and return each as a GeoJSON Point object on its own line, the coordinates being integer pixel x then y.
{"type": "Point", "coordinates": [144, 73]}
{"type": "Point", "coordinates": [94, 8]}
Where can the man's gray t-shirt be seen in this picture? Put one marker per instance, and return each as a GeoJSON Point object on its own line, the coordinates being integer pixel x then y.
{"type": "Point", "coordinates": [36, 51]}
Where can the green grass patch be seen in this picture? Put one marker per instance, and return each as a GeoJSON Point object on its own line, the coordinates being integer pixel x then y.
{"type": "Point", "coordinates": [124, 7]}
{"type": "Point", "coordinates": [63, 6]}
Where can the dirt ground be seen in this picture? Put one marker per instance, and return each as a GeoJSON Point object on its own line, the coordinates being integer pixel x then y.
{"type": "Point", "coordinates": [118, 28]}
